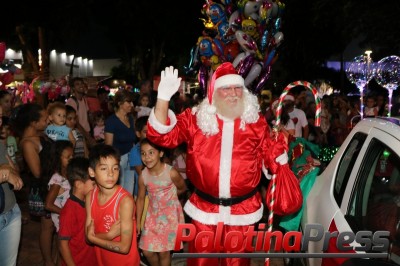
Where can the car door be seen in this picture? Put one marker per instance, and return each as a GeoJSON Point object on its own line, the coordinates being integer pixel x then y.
{"type": "Point", "coordinates": [368, 197]}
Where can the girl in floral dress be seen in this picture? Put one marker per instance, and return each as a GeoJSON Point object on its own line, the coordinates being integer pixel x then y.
{"type": "Point", "coordinates": [163, 184]}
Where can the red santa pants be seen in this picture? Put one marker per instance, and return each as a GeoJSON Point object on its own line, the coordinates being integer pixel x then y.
{"type": "Point", "coordinates": [217, 261]}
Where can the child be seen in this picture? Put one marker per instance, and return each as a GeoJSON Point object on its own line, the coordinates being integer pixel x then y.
{"type": "Point", "coordinates": [80, 148]}
{"type": "Point", "coordinates": [98, 131]}
{"type": "Point", "coordinates": [10, 141]}
{"type": "Point", "coordinates": [135, 159]}
{"type": "Point", "coordinates": [107, 204]}
{"type": "Point", "coordinates": [57, 130]}
{"type": "Point", "coordinates": [370, 110]}
{"type": "Point", "coordinates": [143, 109]}
{"type": "Point", "coordinates": [58, 185]}
{"type": "Point", "coordinates": [163, 184]}
{"type": "Point", "coordinates": [73, 247]}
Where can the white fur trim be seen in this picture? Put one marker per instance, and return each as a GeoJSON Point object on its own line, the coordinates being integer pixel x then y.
{"type": "Point", "coordinates": [228, 219]}
{"type": "Point", "coordinates": [282, 159]}
{"type": "Point", "coordinates": [289, 97]}
{"type": "Point", "coordinates": [208, 123]}
{"type": "Point", "coordinates": [225, 163]}
{"type": "Point", "coordinates": [228, 80]}
{"type": "Point", "coordinates": [265, 171]}
{"type": "Point", "coordinates": [161, 128]}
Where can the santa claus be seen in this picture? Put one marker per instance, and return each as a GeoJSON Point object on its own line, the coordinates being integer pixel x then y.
{"type": "Point", "coordinates": [228, 144]}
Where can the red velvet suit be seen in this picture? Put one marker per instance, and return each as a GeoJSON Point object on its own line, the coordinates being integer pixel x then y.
{"type": "Point", "coordinates": [227, 164]}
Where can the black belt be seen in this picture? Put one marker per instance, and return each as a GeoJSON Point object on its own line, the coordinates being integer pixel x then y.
{"type": "Point", "coordinates": [225, 201]}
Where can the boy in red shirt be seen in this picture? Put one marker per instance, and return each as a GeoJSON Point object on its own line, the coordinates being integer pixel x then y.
{"type": "Point", "coordinates": [107, 205]}
{"type": "Point", "coordinates": [73, 247]}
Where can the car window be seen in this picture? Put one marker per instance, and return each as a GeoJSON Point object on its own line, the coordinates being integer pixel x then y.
{"type": "Point", "coordinates": [375, 199]}
{"type": "Point", "coordinates": [346, 165]}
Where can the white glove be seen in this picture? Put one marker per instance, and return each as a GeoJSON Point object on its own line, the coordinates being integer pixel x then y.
{"type": "Point", "coordinates": [282, 159]}
{"type": "Point", "coordinates": [169, 83]}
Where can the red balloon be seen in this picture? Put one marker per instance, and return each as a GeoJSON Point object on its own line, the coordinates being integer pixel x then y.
{"type": "Point", "coordinates": [231, 50]}
{"type": "Point", "coordinates": [2, 51]}
{"type": "Point", "coordinates": [7, 78]}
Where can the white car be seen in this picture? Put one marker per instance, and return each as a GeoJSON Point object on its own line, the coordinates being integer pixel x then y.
{"type": "Point", "coordinates": [359, 191]}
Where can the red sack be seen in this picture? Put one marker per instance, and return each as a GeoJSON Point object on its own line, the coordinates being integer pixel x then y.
{"type": "Point", "coordinates": [288, 197]}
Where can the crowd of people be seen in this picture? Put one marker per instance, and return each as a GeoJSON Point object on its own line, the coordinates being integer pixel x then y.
{"type": "Point", "coordinates": [123, 174]}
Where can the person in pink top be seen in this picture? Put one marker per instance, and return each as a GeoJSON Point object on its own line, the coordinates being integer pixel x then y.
{"type": "Point", "coordinates": [107, 205]}
{"type": "Point", "coordinates": [163, 184]}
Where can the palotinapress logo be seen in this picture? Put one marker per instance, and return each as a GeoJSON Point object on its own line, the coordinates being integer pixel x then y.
{"type": "Point", "coordinates": [293, 244]}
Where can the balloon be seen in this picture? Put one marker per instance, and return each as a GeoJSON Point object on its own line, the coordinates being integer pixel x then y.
{"type": "Point", "coordinates": [231, 50]}
{"type": "Point", "coordinates": [269, 58]}
{"type": "Point", "coordinates": [2, 51]}
{"type": "Point", "coordinates": [251, 9]}
{"type": "Point", "coordinates": [216, 12]}
{"type": "Point", "coordinates": [245, 65]}
{"type": "Point", "coordinates": [275, 10]}
{"type": "Point", "coordinates": [218, 48]}
{"type": "Point", "coordinates": [6, 78]}
{"type": "Point", "coordinates": [205, 47]}
{"type": "Point", "coordinates": [388, 72]}
{"type": "Point", "coordinates": [264, 41]}
{"type": "Point", "coordinates": [203, 77]}
{"type": "Point", "coordinates": [263, 79]}
{"type": "Point", "coordinates": [246, 42]}
{"type": "Point", "coordinates": [193, 60]}
{"type": "Point", "coordinates": [265, 10]}
{"type": "Point", "coordinates": [277, 24]}
{"type": "Point", "coordinates": [223, 32]}
{"type": "Point", "coordinates": [239, 58]}
{"type": "Point", "coordinates": [253, 74]}
{"type": "Point", "coordinates": [249, 27]}
{"type": "Point", "coordinates": [278, 37]}
{"type": "Point", "coordinates": [234, 21]}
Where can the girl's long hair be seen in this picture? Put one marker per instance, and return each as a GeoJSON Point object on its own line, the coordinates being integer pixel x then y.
{"type": "Point", "coordinates": [54, 163]}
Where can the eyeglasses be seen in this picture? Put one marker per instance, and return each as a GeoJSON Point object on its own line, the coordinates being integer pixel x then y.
{"type": "Point", "coordinates": [229, 88]}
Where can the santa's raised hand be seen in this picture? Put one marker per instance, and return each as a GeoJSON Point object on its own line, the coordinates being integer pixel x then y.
{"type": "Point", "coordinates": [169, 83]}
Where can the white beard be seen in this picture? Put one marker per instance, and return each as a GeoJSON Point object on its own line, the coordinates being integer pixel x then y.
{"type": "Point", "coordinates": [226, 110]}
{"type": "Point", "coordinates": [248, 110]}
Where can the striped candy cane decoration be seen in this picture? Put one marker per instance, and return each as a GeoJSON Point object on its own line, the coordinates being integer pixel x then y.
{"type": "Point", "coordinates": [271, 212]}
{"type": "Point", "coordinates": [314, 92]}
{"type": "Point", "coordinates": [278, 120]}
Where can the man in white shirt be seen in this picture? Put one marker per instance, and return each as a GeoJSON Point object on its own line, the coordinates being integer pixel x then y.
{"type": "Point", "coordinates": [298, 117]}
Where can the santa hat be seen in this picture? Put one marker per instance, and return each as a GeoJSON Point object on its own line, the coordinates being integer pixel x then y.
{"type": "Point", "coordinates": [224, 75]}
{"type": "Point", "coordinates": [289, 97]}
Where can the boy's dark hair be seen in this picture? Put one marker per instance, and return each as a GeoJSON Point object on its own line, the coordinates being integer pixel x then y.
{"type": "Point", "coordinates": [102, 151]}
{"type": "Point", "coordinates": [141, 122]}
{"type": "Point", "coordinates": [75, 79]}
{"type": "Point", "coordinates": [69, 109]}
{"type": "Point", "coordinates": [77, 169]}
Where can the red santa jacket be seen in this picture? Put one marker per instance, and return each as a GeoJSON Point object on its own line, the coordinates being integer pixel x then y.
{"type": "Point", "coordinates": [227, 164]}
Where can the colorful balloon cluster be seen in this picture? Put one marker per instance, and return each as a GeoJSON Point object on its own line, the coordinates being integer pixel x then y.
{"type": "Point", "coordinates": [244, 32]}
{"type": "Point", "coordinates": [53, 89]}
